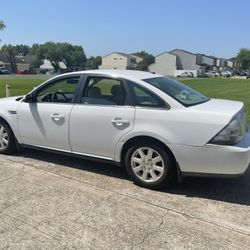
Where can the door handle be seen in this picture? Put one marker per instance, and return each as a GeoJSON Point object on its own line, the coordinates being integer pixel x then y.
{"type": "Point", "coordinates": [57, 117]}
{"type": "Point", "coordinates": [120, 122]}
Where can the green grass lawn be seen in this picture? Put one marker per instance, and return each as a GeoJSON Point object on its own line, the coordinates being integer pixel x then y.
{"type": "Point", "coordinates": [233, 89]}
{"type": "Point", "coordinates": [19, 86]}
{"type": "Point", "coordinates": [223, 88]}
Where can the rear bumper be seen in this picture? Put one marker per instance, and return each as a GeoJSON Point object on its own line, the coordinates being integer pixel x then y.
{"type": "Point", "coordinates": [214, 160]}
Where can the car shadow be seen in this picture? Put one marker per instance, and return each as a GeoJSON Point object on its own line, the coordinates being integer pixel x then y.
{"type": "Point", "coordinates": [231, 190]}
{"type": "Point", "coordinates": [71, 161]}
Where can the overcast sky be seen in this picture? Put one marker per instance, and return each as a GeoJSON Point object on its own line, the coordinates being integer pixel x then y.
{"type": "Point", "coordinates": [215, 27]}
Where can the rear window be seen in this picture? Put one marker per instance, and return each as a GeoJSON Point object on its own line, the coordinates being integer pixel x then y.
{"type": "Point", "coordinates": [180, 92]}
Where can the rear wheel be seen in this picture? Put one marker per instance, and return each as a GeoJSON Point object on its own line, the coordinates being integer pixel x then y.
{"type": "Point", "coordinates": [149, 165]}
{"type": "Point", "coordinates": [7, 139]}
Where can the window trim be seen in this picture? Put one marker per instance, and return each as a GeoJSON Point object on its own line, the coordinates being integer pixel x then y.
{"type": "Point", "coordinates": [131, 84]}
{"type": "Point", "coordinates": [54, 80]}
{"type": "Point", "coordinates": [85, 85]}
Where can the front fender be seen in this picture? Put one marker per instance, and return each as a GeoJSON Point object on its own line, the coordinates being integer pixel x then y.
{"type": "Point", "coordinates": [8, 112]}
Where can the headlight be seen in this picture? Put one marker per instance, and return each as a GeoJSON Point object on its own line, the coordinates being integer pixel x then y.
{"type": "Point", "coordinates": [233, 132]}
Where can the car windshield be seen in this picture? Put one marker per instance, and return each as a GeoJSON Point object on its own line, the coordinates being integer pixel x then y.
{"type": "Point", "coordinates": [178, 91]}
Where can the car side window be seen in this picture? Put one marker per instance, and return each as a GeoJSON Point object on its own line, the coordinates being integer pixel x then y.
{"type": "Point", "coordinates": [60, 91]}
{"type": "Point", "coordinates": [104, 91]}
{"type": "Point", "coordinates": [145, 98]}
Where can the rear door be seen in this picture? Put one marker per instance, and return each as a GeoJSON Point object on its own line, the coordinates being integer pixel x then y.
{"type": "Point", "coordinates": [101, 117]}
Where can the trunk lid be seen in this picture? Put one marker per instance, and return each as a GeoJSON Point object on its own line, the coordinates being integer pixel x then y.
{"type": "Point", "coordinates": [219, 106]}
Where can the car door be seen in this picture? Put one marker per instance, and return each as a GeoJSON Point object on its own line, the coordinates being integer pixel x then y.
{"type": "Point", "coordinates": [44, 121]}
{"type": "Point", "coordinates": [101, 117]}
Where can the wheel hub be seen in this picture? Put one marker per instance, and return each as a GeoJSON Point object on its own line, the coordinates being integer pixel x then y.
{"type": "Point", "coordinates": [147, 164]}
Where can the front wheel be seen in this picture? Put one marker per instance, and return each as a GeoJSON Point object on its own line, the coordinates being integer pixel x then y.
{"type": "Point", "coordinates": [7, 139]}
{"type": "Point", "coordinates": [149, 165]}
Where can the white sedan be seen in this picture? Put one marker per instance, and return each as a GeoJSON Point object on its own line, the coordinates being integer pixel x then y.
{"type": "Point", "coordinates": [156, 127]}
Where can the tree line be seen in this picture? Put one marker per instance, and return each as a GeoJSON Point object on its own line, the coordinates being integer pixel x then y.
{"type": "Point", "coordinates": [73, 56]}
{"type": "Point", "coordinates": [243, 58]}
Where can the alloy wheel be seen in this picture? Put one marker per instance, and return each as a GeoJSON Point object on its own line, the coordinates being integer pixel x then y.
{"type": "Point", "coordinates": [147, 164]}
{"type": "Point", "coordinates": [4, 138]}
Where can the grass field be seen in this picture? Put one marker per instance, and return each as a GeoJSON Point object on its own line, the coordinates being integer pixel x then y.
{"type": "Point", "coordinates": [20, 85]}
{"type": "Point", "coordinates": [233, 89]}
{"type": "Point", "coordinates": [223, 88]}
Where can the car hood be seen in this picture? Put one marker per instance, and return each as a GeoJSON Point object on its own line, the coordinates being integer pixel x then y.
{"type": "Point", "coordinates": [9, 99]}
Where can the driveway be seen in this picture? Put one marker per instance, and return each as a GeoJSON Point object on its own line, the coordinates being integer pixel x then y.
{"type": "Point", "coordinates": [49, 201]}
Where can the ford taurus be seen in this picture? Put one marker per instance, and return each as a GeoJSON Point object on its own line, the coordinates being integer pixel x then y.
{"type": "Point", "coordinates": [156, 127]}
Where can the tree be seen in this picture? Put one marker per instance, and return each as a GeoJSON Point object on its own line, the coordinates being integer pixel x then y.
{"type": "Point", "coordinates": [51, 52]}
{"type": "Point", "coordinates": [23, 49]}
{"type": "Point", "coordinates": [94, 62]}
{"type": "Point", "coordinates": [72, 56]}
{"type": "Point", "coordinates": [34, 48]}
{"type": "Point", "coordinates": [243, 58]}
{"type": "Point", "coordinates": [36, 63]}
{"type": "Point", "coordinates": [11, 52]}
{"type": "Point", "coordinates": [147, 60]}
{"type": "Point", "coordinates": [2, 25]}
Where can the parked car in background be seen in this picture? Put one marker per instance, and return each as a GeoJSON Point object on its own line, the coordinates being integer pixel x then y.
{"type": "Point", "coordinates": [236, 73]}
{"type": "Point", "coordinates": [154, 126]}
{"type": "Point", "coordinates": [52, 72]}
{"type": "Point", "coordinates": [226, 73]}
{"type": "Point", "coordinates": [4, 71]}
{"type": "Point", "coordinates": [186, 74]}
{"type": "Point", "coordinates": [245, 73]}
{"type": "Point", "coordinates": [212, 73]}
{"type": "Point", "coordinates": [25, 72]}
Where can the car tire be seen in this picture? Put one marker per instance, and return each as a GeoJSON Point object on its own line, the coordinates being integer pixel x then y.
{"type": "Point", "coordinates": [149, 165]}
{"type": "Point", "coordinates": [7, 139]}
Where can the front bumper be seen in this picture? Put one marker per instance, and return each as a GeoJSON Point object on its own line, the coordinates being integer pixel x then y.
{"type": "Point", "coordinates": [213, 159]}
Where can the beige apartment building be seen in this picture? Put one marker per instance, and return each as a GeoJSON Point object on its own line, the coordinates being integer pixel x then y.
{"type": "Point", "coordinates": [117, 60]}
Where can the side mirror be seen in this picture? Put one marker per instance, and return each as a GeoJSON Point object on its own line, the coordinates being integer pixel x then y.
{"type": "Point", "coordinates": [30, 98]}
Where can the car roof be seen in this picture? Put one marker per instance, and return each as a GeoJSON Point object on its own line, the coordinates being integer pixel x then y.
{"type": "Point", "coordinates": [126, 74]}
